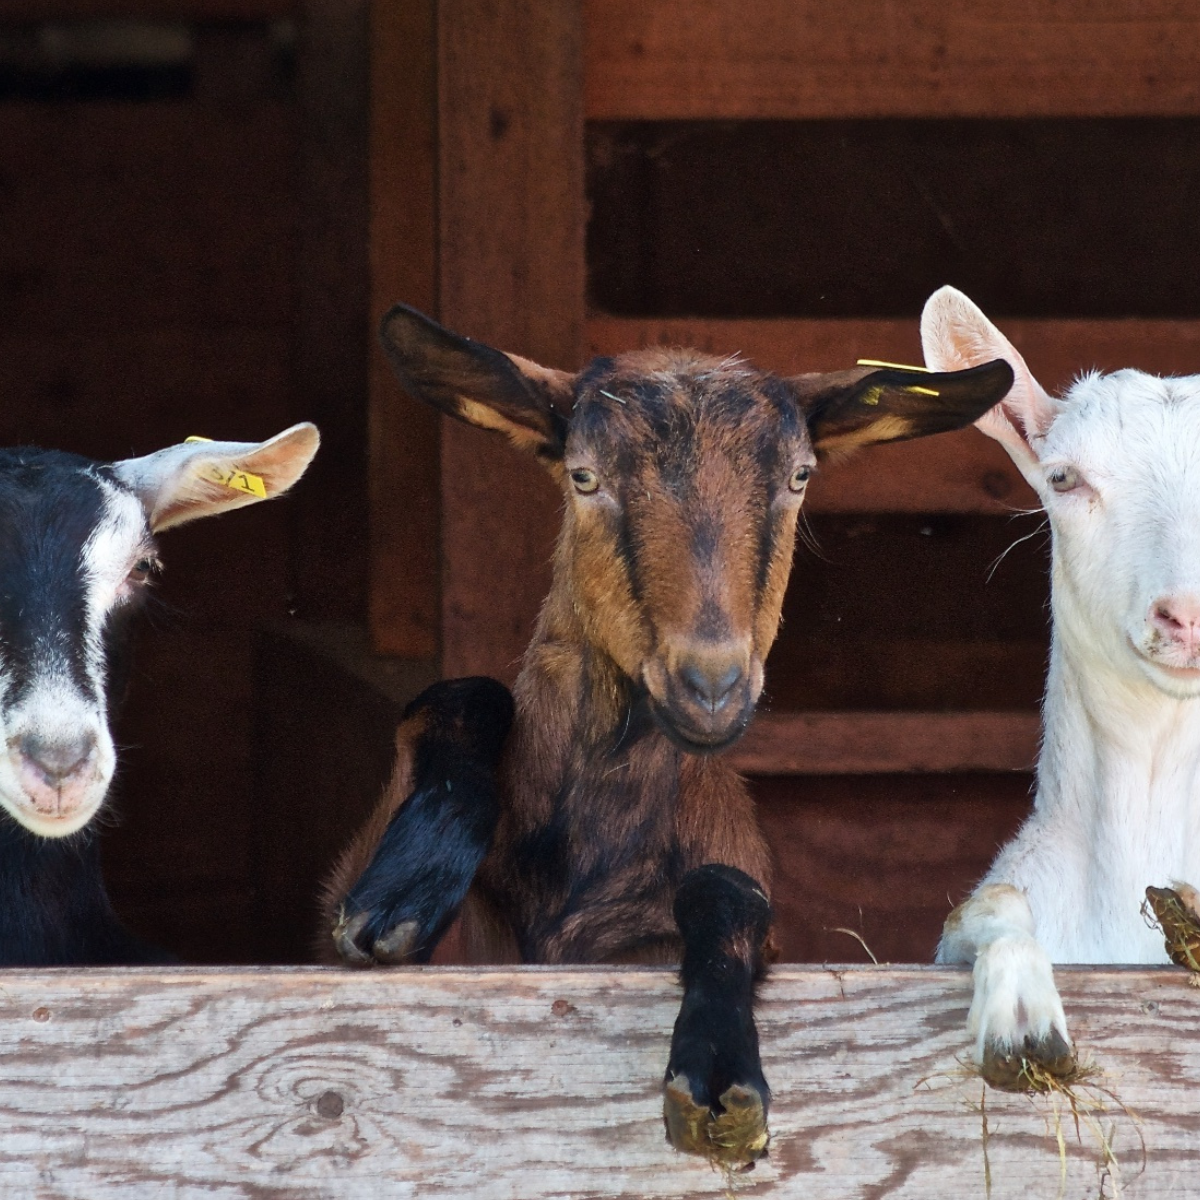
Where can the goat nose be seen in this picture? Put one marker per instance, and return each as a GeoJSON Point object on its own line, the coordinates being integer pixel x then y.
{"type": "Point", "coordinates": [57, 759]}
{"type": "Point", "coordinates": [711, 681]}
{"type": "Point", "coordinates": [1178, 617]}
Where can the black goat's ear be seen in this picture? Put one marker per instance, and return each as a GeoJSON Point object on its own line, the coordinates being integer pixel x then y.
{"type": "Point", "coordinates": [849, 409]}
{"type": "Point", "coordinates": [480, 385]}
{"type": "Point", "coordinates": [200, 477]}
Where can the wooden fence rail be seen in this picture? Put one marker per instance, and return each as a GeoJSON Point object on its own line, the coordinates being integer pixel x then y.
{"type": "Point", "coordinates": [504, 1083]}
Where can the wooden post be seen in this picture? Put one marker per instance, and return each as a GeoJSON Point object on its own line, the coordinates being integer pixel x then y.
{"type": "Point", "coordinates": [405, 592]}
{"type": "Point", "coordinates": [477, 218]}
{"type": "Point", "coordinates": [511, 191]}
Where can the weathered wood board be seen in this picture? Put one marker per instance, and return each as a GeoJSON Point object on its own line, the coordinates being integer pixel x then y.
{"type": "Point", "coordinates": [540, 1082]}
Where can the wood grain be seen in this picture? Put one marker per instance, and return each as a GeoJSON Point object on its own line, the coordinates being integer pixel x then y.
{"type": "Point", "coordinates": [528, 1083]}
{"type": "Point", "coordinates": [866, 743]}
{"type": "Point", "coordinates": [788, 59]}
{"type": "Point", "coordinates": [957, 472]}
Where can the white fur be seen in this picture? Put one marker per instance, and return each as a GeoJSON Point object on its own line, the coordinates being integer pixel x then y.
{"type": "Point", "coordinates": [1119, 770]}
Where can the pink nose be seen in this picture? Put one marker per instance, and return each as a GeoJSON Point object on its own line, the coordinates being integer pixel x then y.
{"type": "Point", "coordinates": [56, 774]}
{"type": "Point", "coordinates": [1177, 618]}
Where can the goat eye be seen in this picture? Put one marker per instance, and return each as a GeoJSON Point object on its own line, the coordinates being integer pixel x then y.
{"type": "Point", "coordinates": [585, 481]}
{"type": "Point", "coordinates": [799, 478]}
{"type": "Point", "coordinates": [143, 569]}
{"type": "Point", "coordinates": [1064, 479]}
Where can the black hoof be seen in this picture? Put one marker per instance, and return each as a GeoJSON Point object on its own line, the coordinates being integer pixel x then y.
{"type": "Point", "coordinates": [358, 947]}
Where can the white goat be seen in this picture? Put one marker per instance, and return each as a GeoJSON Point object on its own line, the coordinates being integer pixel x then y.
{"type": "Point", "coordinates": [1116, 465]}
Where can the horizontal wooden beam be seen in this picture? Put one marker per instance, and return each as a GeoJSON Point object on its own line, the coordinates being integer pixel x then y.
{"type": "Point", "coordinates": [48, 11]}
{"type": "Point", "coordinates": [535, 1082]}
{"type": "Point", "coordinates": [959, 472]}
{"type": "Point", "coordinates": [790, 59]}
{"type": "Point", "coordinates": [882, 743]}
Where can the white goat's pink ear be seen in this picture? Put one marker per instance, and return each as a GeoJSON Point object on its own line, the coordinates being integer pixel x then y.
{"type": "Point", "coordinates": [200, 478]}
{"type": "Point", "coordinates": [955, 334]}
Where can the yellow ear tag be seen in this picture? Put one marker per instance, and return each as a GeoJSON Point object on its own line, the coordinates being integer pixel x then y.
{"type": "Point", "coordinates": [872, 396]}
{"type": "Point", "coordinates": [239, 481]}
{"type": "Point", "coordinates": [878, 362]}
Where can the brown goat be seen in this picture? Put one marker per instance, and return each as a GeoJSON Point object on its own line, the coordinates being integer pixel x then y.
{"type": "Point", "coordinates": [605, 828]}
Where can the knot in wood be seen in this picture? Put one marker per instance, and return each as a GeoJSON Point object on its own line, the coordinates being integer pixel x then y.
{"type": "Point", "coordinates": [330, 1105]}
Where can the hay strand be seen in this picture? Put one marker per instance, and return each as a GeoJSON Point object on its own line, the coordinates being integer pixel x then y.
{"type": "Point", "coordinates": [1174, 913]}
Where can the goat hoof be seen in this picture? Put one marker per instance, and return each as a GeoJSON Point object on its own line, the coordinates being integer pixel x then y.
{"type": "Point", "coordinates": [1041, 1065]}
{"type": "Point", "coordinates": [390, 948]}
{"type": "Point", "coordinates": [1176, 913]}
{"type": "Point", "coordinates": [735, 1136]}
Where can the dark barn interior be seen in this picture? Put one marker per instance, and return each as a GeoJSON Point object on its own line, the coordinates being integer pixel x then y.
{"type": "Point", "coordinates": [206, 205]}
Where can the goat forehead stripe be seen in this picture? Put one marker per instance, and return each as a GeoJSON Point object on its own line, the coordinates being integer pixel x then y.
{"type": "Point", "coordinates": [49, 505]}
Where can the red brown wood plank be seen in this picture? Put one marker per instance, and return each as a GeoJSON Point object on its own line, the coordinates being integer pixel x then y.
{"type": "Point", "coordinates": [885, 855]}
{"type": "Point", "coordinates": [153, 10]}
{"type": "Point", "coordinates": [511, 198]}
{"type": "Point", "coordinates": [790, 59]}
{"type": "Point", "coordinates": [960, 472]}
{"type": "Point", "coordinates": [862, 743]}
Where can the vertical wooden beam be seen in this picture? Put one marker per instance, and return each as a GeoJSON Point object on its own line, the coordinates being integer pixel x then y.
{"type": "Point", "coordinates": [511, 232]}
{"type": "Point", "coordinates": [329, 561]}
{"type": "Point", "coordinates": [405, 594]}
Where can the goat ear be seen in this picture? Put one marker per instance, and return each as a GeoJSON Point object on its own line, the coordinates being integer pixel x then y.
{"type": "Point", "coordinates": [955, 333]}
{"type": "Point", "coordinates": [478, 384]}
{"type": "Point", "coordinates": [848, 409]}
{"type": "Point", "coordinates": [199, 478]}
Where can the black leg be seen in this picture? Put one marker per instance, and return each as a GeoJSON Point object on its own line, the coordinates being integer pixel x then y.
{"type": "Point", "coordinates": [716, 1098]}
{"type": "Point", "coordinates": [421, 868]}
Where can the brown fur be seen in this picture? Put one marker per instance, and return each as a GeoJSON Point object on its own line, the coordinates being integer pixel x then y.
{"type": "Point", "coordinates": [671, 569]}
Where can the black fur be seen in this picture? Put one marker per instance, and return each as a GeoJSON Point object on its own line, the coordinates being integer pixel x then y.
{"type": "Point", "coordinates": [54, 910]}
{"type": "Point", "coordinates": [431, 850]}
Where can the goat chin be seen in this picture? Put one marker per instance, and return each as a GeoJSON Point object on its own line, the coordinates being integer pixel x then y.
{"type": "Point", "coordinates": [46, 825]}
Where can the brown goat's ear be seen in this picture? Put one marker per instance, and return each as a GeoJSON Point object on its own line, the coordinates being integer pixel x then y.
{"type": "Point", "coordinates": [478, 384]}
{"type": "Point", "coordinates": [848, 409]}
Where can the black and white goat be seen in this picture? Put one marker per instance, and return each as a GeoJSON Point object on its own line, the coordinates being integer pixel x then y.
{"type": "Point", "coordinates": [77, 549]}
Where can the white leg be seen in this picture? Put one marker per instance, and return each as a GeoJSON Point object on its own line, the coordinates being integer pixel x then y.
{"type": "Point", "coordinates": [1016, 1013]}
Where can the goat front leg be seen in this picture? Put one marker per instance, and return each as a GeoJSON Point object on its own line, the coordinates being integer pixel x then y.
{"type": "Point", "coordinates": [403, 879]}
{"type": "Point", "coordinates": [715, 1096]}
{"type": "Point", "coordinates": [1016, 1015]}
